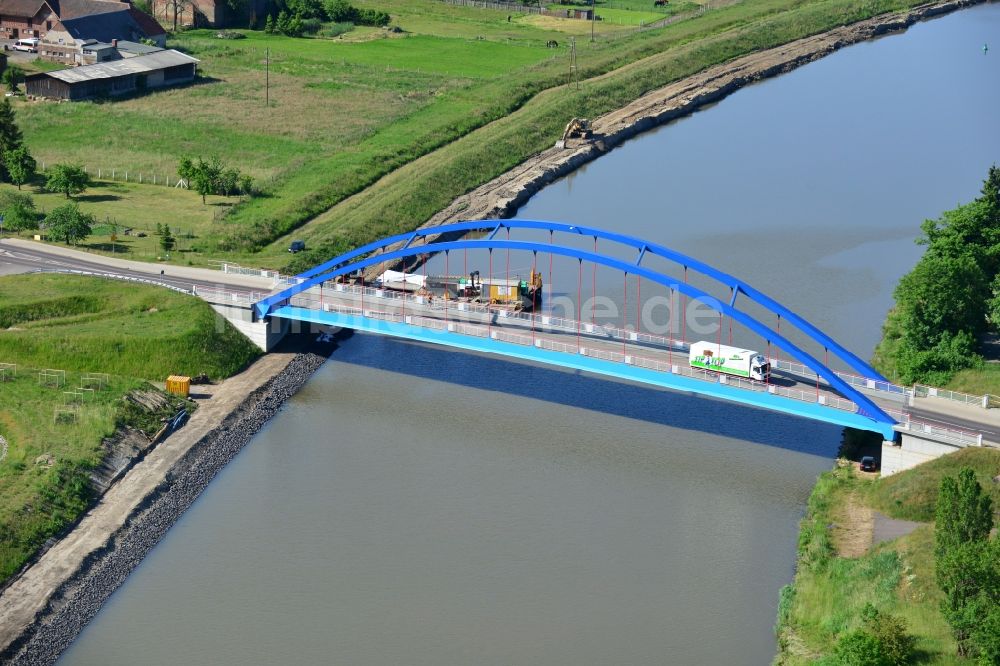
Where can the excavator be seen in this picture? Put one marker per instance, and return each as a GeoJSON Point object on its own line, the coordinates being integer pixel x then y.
{"type": "Point", "coordinates": [576, 128]}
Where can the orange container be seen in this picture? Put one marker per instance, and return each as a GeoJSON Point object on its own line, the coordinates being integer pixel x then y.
{"type": "Point", "coordinates": [179, 385]}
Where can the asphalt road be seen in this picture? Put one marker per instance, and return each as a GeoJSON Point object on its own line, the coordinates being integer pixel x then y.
{"type": "Point", "coordinates": [19, 259]}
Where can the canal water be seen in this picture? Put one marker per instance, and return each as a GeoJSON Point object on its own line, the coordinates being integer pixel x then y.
{"type": "Point", "coordinates": [418, 506]}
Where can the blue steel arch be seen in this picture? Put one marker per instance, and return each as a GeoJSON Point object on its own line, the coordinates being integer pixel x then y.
{"type": "Point", "coordinates": [343, 265]}
{"type": "Point", "coordinates": [642, 247]}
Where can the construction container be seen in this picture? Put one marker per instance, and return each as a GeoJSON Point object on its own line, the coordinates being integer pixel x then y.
{"type": "Point", "coordinates": [179, 385]}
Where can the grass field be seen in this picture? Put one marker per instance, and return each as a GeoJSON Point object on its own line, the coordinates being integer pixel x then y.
{"type": "Point", "coordinates": [91, 324]}
{"type": "Point", "coordinates": [84, 325]}
{"type": "Point", "coordinates": [467, 90]}
{"type": "Point", "coordinates": [140, 207]}
{"type": "Point", "coordinates": [897, 577]}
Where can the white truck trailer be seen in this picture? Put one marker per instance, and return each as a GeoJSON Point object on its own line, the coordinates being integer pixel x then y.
{"type": "Point", "coordinates": [729, 360]}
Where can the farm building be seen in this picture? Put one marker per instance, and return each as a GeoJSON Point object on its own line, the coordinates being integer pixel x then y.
{"type": "Point", "coordinates": [63, 26]}
{"type": "Point", "coordinates": [117, 77]}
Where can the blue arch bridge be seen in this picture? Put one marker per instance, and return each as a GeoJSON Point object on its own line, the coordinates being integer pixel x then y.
{"type": "Point", "coordinates": [488, 311]}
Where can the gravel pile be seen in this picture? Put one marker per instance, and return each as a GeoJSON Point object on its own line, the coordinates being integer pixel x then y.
{"type": "Point", "coordinates": [80, 599]}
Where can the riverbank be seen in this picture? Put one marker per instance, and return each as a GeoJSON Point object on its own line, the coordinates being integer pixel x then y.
{"type": "Point", "coordinates": [502, 196]}
{"type": "Point", "coordinates": [50, 603]}
{"type": "Point", "coordinates": [869, 540]}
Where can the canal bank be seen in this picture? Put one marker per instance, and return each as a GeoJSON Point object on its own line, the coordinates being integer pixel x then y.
{"type": "Point", "coordinates": [47, 605]}
{"type": "Point", "coordinates": [502, 196]}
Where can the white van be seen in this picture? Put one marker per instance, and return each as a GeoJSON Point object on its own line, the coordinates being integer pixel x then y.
{"type": "Point", "coordinates": [29, 45]}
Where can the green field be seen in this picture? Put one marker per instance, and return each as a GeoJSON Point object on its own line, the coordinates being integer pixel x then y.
{"type": "Point", "coordinates": [53, 426]}
{"type": "Point", "coordinates": [141, 208]}
{"type": "Point", "coordinates": [897, 577]}
{"type": "Point", "coordinates": [373, 131]}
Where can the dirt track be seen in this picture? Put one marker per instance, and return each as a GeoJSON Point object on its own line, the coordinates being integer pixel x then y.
{"type": "Point", "coordinates": [502, 196]}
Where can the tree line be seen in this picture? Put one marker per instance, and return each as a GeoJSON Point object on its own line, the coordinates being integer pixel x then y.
{"type": "Point", "coordinates": [298, 17]}
{"type": "Point", "coordinates": [950, 298]}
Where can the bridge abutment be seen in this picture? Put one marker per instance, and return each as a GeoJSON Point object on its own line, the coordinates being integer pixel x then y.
{"type": "Point", "coordinates": [265, 334]}
{"type": "Point", "coordinates": [911, 451]}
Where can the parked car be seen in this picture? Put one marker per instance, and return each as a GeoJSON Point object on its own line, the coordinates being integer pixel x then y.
{"type": "Point", "coordinates": [297, 246]}
{"type": "Point", "coordinates": [867, 464]}
{"type": "Point", "coordinates": [30, 45]}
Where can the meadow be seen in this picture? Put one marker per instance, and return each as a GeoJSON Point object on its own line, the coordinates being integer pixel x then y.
{"type": "Point", "coordinates": [84, 328]}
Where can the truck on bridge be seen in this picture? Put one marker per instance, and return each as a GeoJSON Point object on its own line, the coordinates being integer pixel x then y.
{"type": "Point", "coordinates": [728, 360]}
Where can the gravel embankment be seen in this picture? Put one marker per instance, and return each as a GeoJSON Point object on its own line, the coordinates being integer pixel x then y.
{"type": "Point", "coordinates": [80, 599]}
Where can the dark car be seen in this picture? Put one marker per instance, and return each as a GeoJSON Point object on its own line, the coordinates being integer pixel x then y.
{"type": "Point", "coordinates": [297, 246]}
{"type": "Point", "coordinates": [867, 464]}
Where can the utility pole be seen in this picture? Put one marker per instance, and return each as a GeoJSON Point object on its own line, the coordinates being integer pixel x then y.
{"type": "Point", "coordinates": [593, 18]}
{"type": "Point", "coordinates": [574, 73]}
{"type": "Point", "coordinates": [267, 76]}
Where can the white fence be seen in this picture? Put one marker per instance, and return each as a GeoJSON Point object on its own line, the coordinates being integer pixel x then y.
{"type": "Point", "coordinates": [130, 176]}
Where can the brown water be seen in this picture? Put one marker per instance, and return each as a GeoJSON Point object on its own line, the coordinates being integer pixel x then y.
{"type": "Point", "coordinates": [419, 506]}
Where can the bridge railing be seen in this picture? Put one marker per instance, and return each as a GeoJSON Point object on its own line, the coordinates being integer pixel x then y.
{"type": "Point", "coordinates": [372, 311]}
{"type": "Point", "coordinates": [922, 391]}
{"type": "Point", "coordinates": [610, 331]}
{"type": "Point", "coordinates": [950, 433]}
{"type": "Point", "coordinates": [221, 296]}
{"type": "Point", "coordinates": [856, 381]}
{"type": "Point", "coordinates": [236, 269]}
{"type": "Point", "coordinates": [317, 300]}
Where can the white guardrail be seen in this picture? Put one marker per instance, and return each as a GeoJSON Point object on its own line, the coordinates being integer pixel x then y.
{"type": "Point", "coordinates": [115, 276]}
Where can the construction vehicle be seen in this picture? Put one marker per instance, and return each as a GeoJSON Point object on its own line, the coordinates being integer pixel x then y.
{"type": "Point", "coordinates": [576, 128]}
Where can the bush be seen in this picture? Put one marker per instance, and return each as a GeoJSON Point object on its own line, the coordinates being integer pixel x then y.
{"type": "Point", "coordinates": [335, 29]}
{"type": "Point", "coordinates": [372, 17]}
{"type": "Point", "coordinates": [859, 648]}
{"type": "Point", "coordinates": [311, 26]}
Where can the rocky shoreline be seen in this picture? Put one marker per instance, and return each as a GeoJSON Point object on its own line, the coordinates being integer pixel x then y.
{"type": "Point", "coordinates": [80, 598]}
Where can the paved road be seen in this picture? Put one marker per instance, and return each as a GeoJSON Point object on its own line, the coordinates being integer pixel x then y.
{"type": "Point", "coordinates": [24, 257]}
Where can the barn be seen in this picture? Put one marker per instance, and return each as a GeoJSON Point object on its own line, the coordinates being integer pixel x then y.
{"type": "Point", "coordinates": [116, 77]}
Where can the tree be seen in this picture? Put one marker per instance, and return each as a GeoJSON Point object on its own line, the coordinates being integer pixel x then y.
{"type": "Point", "coordinates": [229, 181]}
{"type": "Point", "coordinates": [964, 560]}
{"type": "Point", "coordinates": [18, 212]}
{"type": "Point", "coordinates": [68, 179]}
{"type": "Point", "coordinates": [942, 295]}
{"type": "Point", "coordinates": [12, 76]}
{"type": "Point", "coordinates": [269, 25]}
{"type": "Point", "coordinates": [167, 241]}
{"type": "Point", "coordinates": [68, 223]}
{"type": "Point", "coordinates": [10, 134]}
{"type": "Point", "coordinates": [339, 11]}
{"type": "Point", "coordinates": [964, 513]}
{"type": "Point", "coordinates": [206, 176]}
{"type": "Point", "coordinates": [20, 166]}
{"type": "Point", "coordinates": [246, 185]}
